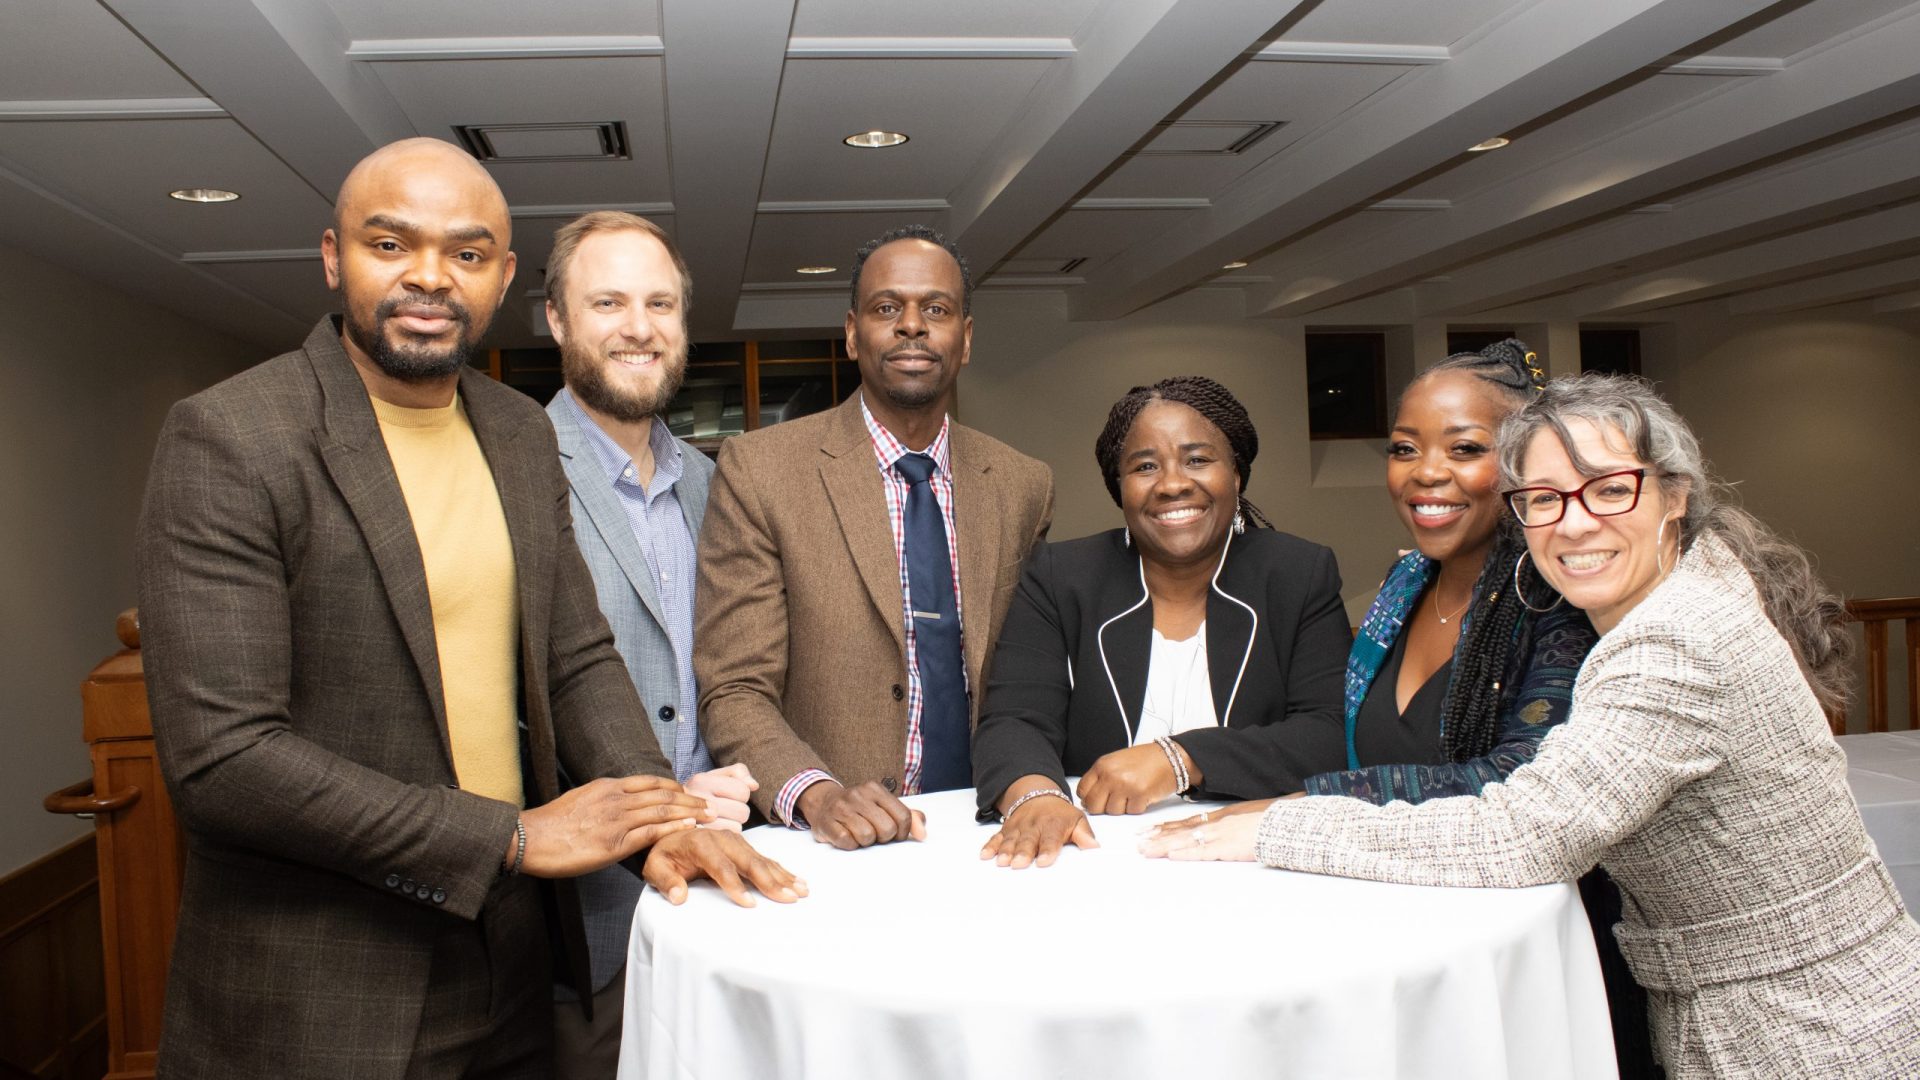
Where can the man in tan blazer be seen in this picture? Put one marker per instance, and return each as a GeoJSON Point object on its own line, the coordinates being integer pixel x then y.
{"type": "Point", "coordinates": [805, 646]}
{"type": "Point", "coordinates": [372, 647]}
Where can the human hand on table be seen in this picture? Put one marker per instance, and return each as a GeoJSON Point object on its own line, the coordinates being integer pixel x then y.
{"type": "Point", "coordinates": [1035, 833]}
{"type": "Point", "coordinates": [1131, 780]}
{"type": "Point", "coordinates": [859, 816]}
{"type": "Point", "coordinates": [1207, 837]}
{"type": "Point", "coordinates": [726, 791]}
{"type": "Point", "coordinates": [601, 822]}
{"type": "Point", "coordinates": [724, 858]}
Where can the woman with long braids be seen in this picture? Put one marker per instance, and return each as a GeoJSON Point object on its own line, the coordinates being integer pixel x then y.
{"type": "Point", "coordinates": [1696, 765]}
{"type": "Point", "coordinates": [1197, 650]}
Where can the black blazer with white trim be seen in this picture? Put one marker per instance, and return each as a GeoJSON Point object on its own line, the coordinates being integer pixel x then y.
{"type": "Point", "coordinates": [1069, 673]}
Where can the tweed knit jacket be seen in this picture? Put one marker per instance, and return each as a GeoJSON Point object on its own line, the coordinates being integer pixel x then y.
{"type": "Point", "coordinates": [1697, 768]}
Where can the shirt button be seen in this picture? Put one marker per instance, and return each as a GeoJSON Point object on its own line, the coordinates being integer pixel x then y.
{"type": "Point", "coordinates": [664, 576]}
{"type": "Point", "coordinates": [898, 694]}
{"type": "Point", "coordinates": [666, 713]}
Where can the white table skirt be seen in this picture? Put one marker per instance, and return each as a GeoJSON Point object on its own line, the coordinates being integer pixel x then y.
{"type": "Point", "coordinates": [919, 960]}
{"type": "Point", "coordinates": [1883, 769]}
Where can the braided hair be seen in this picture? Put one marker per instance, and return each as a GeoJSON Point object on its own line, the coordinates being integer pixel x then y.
{"type": "Point", "coordinates": [1208, 398]}
{"type": "Point", "coordinates": [1470, 716]}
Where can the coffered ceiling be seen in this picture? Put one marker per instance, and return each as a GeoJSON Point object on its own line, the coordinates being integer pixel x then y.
{"type": "Point", "coordinates": [1664, 153]}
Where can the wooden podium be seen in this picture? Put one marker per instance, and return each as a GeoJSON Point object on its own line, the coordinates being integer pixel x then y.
{"type": "Point", "coordinates": [140, 848]}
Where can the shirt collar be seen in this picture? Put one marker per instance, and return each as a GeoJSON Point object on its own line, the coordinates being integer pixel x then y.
{"type": "Point", "coordinates": [888, 449]}
{"type": "Point", "coordinates": [614, 460]}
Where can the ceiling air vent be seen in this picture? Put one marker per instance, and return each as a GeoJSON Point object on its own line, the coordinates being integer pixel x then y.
{"type": "Point", "coordinates": [545, 142]}
{"type": "Point", "coordinates": [1206, 138]}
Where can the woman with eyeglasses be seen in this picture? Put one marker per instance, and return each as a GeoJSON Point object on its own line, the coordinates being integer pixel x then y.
{"type": "Point", "coordinates": [1696, 766]}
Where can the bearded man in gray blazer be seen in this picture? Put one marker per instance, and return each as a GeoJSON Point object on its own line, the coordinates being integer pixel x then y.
{"type": "Point", "coordinates": [618, 293]}
{"type": "Point", "coordinates": [371, 648]}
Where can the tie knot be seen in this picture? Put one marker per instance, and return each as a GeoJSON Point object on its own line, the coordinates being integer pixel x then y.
{"type": "Point", "coordinates": [916, 467]}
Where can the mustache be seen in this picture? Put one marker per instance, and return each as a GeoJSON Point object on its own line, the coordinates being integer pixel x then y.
{"type": "Point", "coordinates": [914, 347]}
{"type": "Point", "coordinates": [445, 308]}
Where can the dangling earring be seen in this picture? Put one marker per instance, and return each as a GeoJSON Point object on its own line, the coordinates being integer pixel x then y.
{"type": "Point", "coordinates": [1660, 545]}
{"type": "Point", "coordinates": [1126, 537]}
{"type": "Point", "coordinates": [1239, 523]}
{"type": "Point", "coordinates": [1521, 593]}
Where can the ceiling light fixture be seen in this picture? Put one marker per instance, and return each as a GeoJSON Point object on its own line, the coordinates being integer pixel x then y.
{"type": "Point", "coordinates": [204, 195]}
{"type": "Point", "coordinates": [1237, 264]}
{"type": "Point", "coordinates": [815, 269]}
{"type": "Point", "coordinates": [1494, 143]}
{"type": "Point", "coordinates": [875, 140]}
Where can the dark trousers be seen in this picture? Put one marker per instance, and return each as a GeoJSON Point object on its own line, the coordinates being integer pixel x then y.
{"type": "Point", "coordinates": [489, 1009]}
{"type": "Point", "coordinates": [1626, 1000]}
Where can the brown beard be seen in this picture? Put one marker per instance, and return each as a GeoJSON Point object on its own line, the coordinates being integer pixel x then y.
{"type": "Point", "coordinates": [585, 372]}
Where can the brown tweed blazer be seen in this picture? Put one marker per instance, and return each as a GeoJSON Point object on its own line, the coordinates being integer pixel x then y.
{"type": "Point", "coordinates": [298, 712]}
{"type": "Point", "coordinates": [798, 645]}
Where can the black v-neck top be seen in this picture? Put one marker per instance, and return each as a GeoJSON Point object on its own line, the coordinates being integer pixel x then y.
{"type": "Point", "coordinates": [1382, 735]}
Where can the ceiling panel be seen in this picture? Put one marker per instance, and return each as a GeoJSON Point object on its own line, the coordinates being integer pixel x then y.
{"type": "Point", "coordinates": [76, 50]}
{"type": "Point", "coordinates": [372, 19]}
{"type": "Point", "coordinates": [1394, 22]}
{"type": "Point", "coordinates": [952, 110]}
{"type": "Point", "coordinates": [533, 242]}
{"type": "Point", "coordinates": [123, 169]}
{"type": "Point", "coordinates": [1095, 235]}
{"type": "Point", "coordinates": [782, 242]}
{"type": "Point", "coordinates": [1613, 114]}
{"type": "Point", "coordinates": [975, 18]}
{"type": "Point", "coordinates": [1304, 96]}
{"type": "Point", "coordinates": [437, 95]}
{"type": "Point", "coordinates": [1805, 26]}
{"type": "Point", "coordinates": [298, 288]}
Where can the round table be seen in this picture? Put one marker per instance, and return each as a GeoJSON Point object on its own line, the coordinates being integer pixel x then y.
{"type": "Point", "coordinates": [919, 960]}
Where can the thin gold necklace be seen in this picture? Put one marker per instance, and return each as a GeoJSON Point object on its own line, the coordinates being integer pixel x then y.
{"type": "Point", "coordinates": [1445, 619]}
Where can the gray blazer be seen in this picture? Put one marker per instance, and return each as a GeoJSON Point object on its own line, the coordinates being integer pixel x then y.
{"type": "Point", "coordinates": [632, 607]}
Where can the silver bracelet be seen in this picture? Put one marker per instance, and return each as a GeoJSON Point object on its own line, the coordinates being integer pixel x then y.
{"type": "Point", "coordinates": [1034, 794]}
{"type": "Point", "coordinates": [1180, 782]}
{"type": "Point", "coordinates": [519, 848]}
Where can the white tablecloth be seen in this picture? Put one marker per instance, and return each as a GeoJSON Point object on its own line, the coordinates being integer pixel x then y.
{"type": "Point", "coordinates": [917, 960]}
{"type": "Point", "coordinates": [1884, 772]}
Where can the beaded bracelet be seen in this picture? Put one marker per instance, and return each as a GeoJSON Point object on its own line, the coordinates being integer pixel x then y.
{"type": "Point", "coordinates": [519, 848]}
{"type": "Point", "coordinates": [1034, 794]}
{"type": "Point", "coordinates": [1180, 782]}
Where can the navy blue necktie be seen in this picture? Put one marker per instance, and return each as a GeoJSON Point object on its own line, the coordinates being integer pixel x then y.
{"type": "Point", "coordinates": [946, 761]}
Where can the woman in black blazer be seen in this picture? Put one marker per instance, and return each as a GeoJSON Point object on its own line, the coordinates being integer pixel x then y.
{"type": "Point", "coordinates": [1246, 625]}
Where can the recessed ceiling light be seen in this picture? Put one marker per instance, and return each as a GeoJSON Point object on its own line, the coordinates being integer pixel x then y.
{"type": "Point", "coordinates": [204, 194]}
{"type": "Point", "coordinates": [815, 269]}
{"type": "Point", "coordinates": [1237, 264]}
{"type": "Point", "coordinates": [1494, 143]}
{"type": "Point", "coordinates": [875, 140]}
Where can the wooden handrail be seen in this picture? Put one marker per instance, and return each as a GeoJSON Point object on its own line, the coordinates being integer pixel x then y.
{"type": "Point", "coordinates": [80, 799]}
{"type": "Point", "coordinates": [1873, 617]}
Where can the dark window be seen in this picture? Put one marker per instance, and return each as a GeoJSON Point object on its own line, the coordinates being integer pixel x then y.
{"type": "Point", "coordinates": [1347, 385]}
{"type": "Point", "coordinates": [1459, 341]}
{"type": "Point", "coordinates": [1610, 352]}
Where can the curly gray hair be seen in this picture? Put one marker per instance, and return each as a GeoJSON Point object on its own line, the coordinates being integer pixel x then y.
{"type": "Point", "coordinates": [1808, 614]}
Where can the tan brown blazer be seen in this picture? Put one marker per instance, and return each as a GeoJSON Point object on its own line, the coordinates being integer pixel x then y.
{"type": "Point", "coordinates": [798, 645]}
{"type": "Point", "coordinates": [301, 726]}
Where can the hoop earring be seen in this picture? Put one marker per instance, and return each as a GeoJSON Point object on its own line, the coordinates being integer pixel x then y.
{"type": "Point", "coordinates": [1239, 523]}
{"type": "Point", "coordinates": [1521, 594]}
{"type": "Point", "coordinates": [1659, 546]}
{"type": "Point", "coordinates": [1126, 537]}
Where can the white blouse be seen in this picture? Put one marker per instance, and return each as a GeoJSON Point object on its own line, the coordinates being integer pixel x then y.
{"type": "Point", "coordinates": [1179, 693]}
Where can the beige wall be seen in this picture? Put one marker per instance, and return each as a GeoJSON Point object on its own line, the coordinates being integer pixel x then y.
{"type": "Point", "coordinates": [89, 375]}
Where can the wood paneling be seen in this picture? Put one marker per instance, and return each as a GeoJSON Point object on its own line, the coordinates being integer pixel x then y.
{"type": "Point", "coordinates": [53, 1024]}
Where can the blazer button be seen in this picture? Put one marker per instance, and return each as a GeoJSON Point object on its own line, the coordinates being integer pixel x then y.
{"type": "Point", "coordinates": [666, 713]}
{"type": "Point", "coordinates": [439, 896]}
{"type": "Point", "coordinates": [407, 887]}
{"type": "Point", "coordinates": [898, 693]}
{"type": "Point", "coordinates": [889, 782]}
{"type": "Point", "coordinates": [393, 881]}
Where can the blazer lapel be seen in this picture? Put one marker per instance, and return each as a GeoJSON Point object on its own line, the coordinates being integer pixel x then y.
{"type": "Point", "coordinates": [1230, 629]}
{"type": "Point", "coordinates": [356, 458]}
{"type": "Point", "coordinates": [853, 487]}
{"type": "Point", "coordinates": [528, 505]}
{"type": "Point", "coordinates": [1125, 642]}
{"type": "Point", "coordinates": [692, 488]}
{"type": "Point", "coordinates": [976, 524]}
{"type": "Point", "coordinates": [590, 486]}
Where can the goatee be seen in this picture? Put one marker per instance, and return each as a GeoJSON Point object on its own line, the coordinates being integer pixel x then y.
{"type": "Point", "coordinates": [411, 360]}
